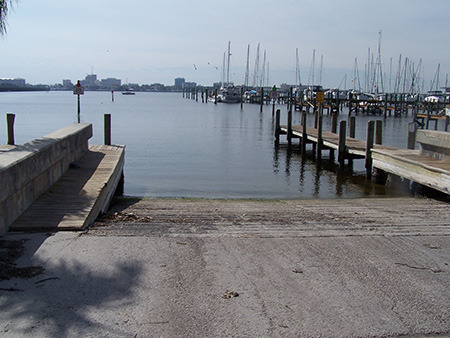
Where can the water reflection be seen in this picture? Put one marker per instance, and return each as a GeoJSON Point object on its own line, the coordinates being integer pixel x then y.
{"type": "Point", "coordinates": [322, 177]}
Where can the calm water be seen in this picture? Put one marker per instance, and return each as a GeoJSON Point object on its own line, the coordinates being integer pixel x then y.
{"type": "Point", "coordinates": [178, 147]}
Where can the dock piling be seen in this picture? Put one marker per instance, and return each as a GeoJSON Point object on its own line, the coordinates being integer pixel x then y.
{"type": "Point", "coordinates": [379, 132]}
{"type": "Point", "coordinates": [107, 129]}
{"type": "Point", "coordinates": [341, 147]}
{"type": "Point", "coordinates": [289, 128]}
{"type": "Point", "coordinates": [10, 121]}
{"type": "Point", "coordinates": [352, 127]}
{"type": "Point", "coordinates": [369, 146]}
{"type": "Point", "coordinates": [319, 132]}
{"type": "Point", "coordinates": [411, 135]}
{"type": "Point", "coordinates": [277, 126]}
{"type": "Point", "coordinates": [304, 136]}
{"type": "Point", "coordinates": [262, 100]}
{"type": "Point", "coordinates": [334, 120]}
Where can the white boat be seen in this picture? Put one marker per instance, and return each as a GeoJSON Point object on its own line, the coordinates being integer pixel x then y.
{"type": "Point", "coordinates": [229, 94]}
{"type": "Point", "coordinates": [129, 91]}
{"type": "Point", "coordinates": [435, 96]}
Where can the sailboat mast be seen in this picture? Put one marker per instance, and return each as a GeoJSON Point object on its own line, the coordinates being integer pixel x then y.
{"type": "Point", "coordinates": [438, 72]}
{"type": "Point", "coordinates": [247, 68]}
{"type": "Point", "coordinates": [263, 70]}
{"type": "Point", "coordinates": [297, 70]}
{"type": "Point", "coordinates": [380, 66]}
{"type": "Point", "coordinates": [228, 63]}
{"type": "Point", "coordinates": [256, 70]}
{"type": "Point", "coordinates": [313, 65]}
{"type": "Point", "coordinates": [223, 71]}
{"type": "Point", "coordinates": [320, 72]}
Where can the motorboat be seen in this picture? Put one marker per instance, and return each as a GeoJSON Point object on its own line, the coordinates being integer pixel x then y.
{"type": "Point", "coordinates": [129, 91]}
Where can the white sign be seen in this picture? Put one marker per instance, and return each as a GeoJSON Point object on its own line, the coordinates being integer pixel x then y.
{"type": "Point", "coordinates": [78, 90]}
{"type": "Point", "coordinates": [274, 94]}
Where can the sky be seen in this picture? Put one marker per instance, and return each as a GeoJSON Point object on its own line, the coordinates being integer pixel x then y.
{"type": "Point", "coordinates": [147, 41]}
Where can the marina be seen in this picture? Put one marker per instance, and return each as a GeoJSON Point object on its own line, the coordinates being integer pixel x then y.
{"type": "Point", "coordinates": [179, 147]}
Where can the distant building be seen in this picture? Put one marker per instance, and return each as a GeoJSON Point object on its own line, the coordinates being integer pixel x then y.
{"type": "Point", "coordinates": [111, 83]}
{"type": "Point", "coordinates": [156, 87]}
{"type": "Point", "coordinates": [190, 85]}
{"type": "Point", "coordinates": [179, 82]}
{"type": "Point", "coordinates": [19, 82]}
{"type": "Point", "coordinates": [89, 80]}
{"type": "Point", "coordinates": [286, 87]}
{"type": "Point", "coordinates": [67, 84]}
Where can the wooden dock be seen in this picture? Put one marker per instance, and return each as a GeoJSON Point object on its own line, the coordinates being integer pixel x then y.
{"type": "Point", "coordinates": [429, 166]}
{"type": "Point", "coordinates": [414, 166]}
{"type": "Point", "coordinates": [80, 195]}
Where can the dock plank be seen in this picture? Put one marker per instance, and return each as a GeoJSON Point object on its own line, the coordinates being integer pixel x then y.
{"type": "Point", "coordinates": [414, 166]}
{"type": "Point", "coordinates": [329, 139]}
{"type": "Point", "coordinates": [77, 198]}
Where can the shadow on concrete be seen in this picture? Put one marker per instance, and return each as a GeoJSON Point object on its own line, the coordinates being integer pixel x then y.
{"type": "Point", "coordinates": [59, 302]}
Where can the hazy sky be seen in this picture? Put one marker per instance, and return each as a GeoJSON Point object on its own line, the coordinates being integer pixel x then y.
{"type": "Point", "coordinates": [148, 41]}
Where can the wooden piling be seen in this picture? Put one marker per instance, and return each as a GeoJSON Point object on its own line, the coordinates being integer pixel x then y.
{"type": "Point", "coordinates": [289, 128]}
{"type": "Point", "coordinates": [319, 133]}
{"type": "Point", "coordinates": [304, 136]}
{"type": "Point", "coordinates": [350, 97]}
{"type": "Point", "coordinates": [334, 120]}
{"type": "Point", "coordinates": [316, 121]}
{"type": "Point", "coordinates": [341, 147]}
{"type": "Point", "coordinates": [277, 126]}
{"type": "Point", "coordinates": [273, 106]}
{"type": "Point", "coordinates": [369, 146]}
{"type": "Point", "coordinates": [262, 100]}
{"type": "Point", "coordinates": [352, 127]}
{"type": "Point", "coordinates": [242, 98]}
{"type": "Point", "coordinates": [291, 98]}
{"type": "Point", "coordinates": [379, 132]}
{"type": "Point", "coordinates": [107, 129]}
{"type": "Point", "coordinates": [10, 122]}
{"type": "Point", "coordinates": [411, 135]}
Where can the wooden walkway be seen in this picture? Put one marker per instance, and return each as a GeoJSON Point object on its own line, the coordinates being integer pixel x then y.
{"type": "Point", "coordinates": [353, 147]}
{"type": "Point", "coordinates": [329, 140]}
{"type": "Point", "coordinates": [412, 165]}
{"type": "Point", "coordinates": [77, 198]}
{"type": "Point", "coordinates": [407, 163]}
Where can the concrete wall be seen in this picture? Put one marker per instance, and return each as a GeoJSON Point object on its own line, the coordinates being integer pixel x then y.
{"type": "Point", "coordinates": [27, 171]}
{"type": "Point", "coordinates": [435, 144]}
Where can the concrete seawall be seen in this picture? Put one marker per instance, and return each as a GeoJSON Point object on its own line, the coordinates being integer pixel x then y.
{"type": "Point", "coordinates": [27, 171]}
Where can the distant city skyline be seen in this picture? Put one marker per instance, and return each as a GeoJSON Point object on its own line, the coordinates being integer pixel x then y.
{"type": "Point", "coordinates": [155, 42]}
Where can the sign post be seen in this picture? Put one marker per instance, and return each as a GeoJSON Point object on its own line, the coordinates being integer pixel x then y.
{"type": "Point", "coordinates": [78, 90]}
{"type": "Point", "coordinates": [320, 100]}
{"type": "Point", "coordinates": [274, 97]}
